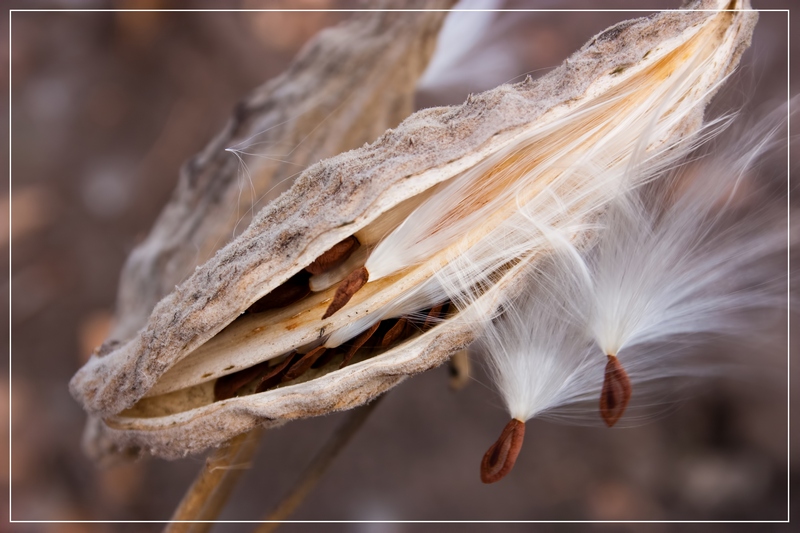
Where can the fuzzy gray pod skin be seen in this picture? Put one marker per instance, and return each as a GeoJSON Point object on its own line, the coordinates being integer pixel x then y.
{"type": "Point", "coordinates": [427, 148]}
{"type": "Point", "coordinates": [356, 79]}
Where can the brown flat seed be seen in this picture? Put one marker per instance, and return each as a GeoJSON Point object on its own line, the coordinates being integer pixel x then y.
{"type": "Point", "coordinates": [227, 386]}
{"type": "Point", "coordinates": [274, 377]}
{"type": "Point", "coordinates": [358, 343]}
{"type": "Point", "coordinates": [411, 328]}
{"type": "Point", "coordinates": [501, 456]}
{"type": "Point", "coordinates": [292, 290]}
{"type": "Point", "coordinates": [616, 392]}
{"type": "Point", "coordinates": [305, 362]}
{"type": "Point", "coordinates": [395, 333]}
{"type": "Point", "coordinates": [347, 288]}
{"type": "Point", "coordinates": [333, 257]}
{"type": "Point", "coordinates": [328, 356]}
{"type": "Point", "coordinates": [435, 314]}
{"type": "Point", "coordinates": [432, 317]}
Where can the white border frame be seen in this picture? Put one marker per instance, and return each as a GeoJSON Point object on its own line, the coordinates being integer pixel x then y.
{"type": "Point", "coordinates": [788, 282]}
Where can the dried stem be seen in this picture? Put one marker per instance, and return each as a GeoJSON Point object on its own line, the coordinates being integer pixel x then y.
{"type": "Point", "coordinates": [210, 491]}
{"type": "Point", "coordinates": [318, 466]}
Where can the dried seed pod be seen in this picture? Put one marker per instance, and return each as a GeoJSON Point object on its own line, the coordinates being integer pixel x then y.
{"type": "Point", "coordinates": [156, 390]}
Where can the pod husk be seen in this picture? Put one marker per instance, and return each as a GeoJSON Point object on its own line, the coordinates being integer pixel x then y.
{"type": "Point", "coordinates": [332, 200]}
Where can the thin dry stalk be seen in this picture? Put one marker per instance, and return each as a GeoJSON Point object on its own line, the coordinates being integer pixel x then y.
{"type": "Point", "coordinates": [312, 474]}
{"type": "Point", "coordinates": [210, 491]}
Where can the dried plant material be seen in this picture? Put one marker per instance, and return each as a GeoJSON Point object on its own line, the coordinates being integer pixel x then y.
{"type": "Point", "coordinates": [670, 264]}
{"type": "Point", "coordinates": [227, 386]}
{"type": "Point", "coordinates": [436, 312]}
{"type": "Point", "coordinates": [311, 475]}
{"type": "Point", "coordinates": [685, 258]}
{"type": "Point", "coordinates": [501, 456]}
{"type": "Point", "coordinates": [331, 277]}
{"type": "Point", "coordinates": [567, 136]}
{"type": "Point", "coordinates": [301, 366]}
{"type": "Point", "coordinates": [275, 376]}
{"type": "Point", "coordinates": [346, 289]}
{"type": "Point", "coordinates": [334, 257]}
{"type": "Point", "coordinates": [358, 342]}
{"type": "Point", "coordinates": [345, 88]}
{"type": "Point", "coordinates": [616, 392]}
{"type": "Point", "coordinates": [210, 491]}
{"type": "Point", "coordinates": [292, 290]}
{"type": "Point", "coordinates": [395, 333]}
{"type": "Point", "coordinates": [356, 80]}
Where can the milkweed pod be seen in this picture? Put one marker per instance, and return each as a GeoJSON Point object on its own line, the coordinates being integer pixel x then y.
{"type": "Point", "coordinates": [530, 142]}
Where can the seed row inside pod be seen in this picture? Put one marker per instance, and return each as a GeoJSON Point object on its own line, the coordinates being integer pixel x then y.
{"type": "Point", "coordinates": [270, 374]}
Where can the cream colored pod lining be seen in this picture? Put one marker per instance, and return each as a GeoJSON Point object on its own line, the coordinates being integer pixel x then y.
{"type": "Point", "coordinates": [155, 392]}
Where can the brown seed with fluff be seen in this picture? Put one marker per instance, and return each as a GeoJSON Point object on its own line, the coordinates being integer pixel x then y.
{"type": "Point", "coordinates": [502, 455]}
{"type": "Point", "coordinates": [616, 391]}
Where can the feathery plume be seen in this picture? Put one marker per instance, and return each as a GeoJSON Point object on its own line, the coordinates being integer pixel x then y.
{"type": "Point", "coordinates": [687, 254]}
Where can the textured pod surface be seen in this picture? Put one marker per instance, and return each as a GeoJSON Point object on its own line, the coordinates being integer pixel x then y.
{"type": "Point", "coordinates": [357, 79]}
{"type": "Point", "coordinates": [331, 201]}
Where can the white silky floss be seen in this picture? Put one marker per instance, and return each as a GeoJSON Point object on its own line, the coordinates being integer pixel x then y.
{"type": "Point", "coordinates": [582, 158]}
{"type": "Point", "coordinates": [691, 254]}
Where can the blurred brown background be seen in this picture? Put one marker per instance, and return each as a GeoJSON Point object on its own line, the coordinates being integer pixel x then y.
{"type": "Point", "coordinates": [105, 108]}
